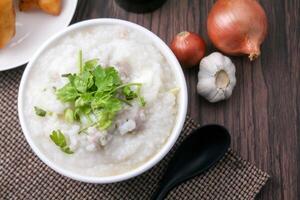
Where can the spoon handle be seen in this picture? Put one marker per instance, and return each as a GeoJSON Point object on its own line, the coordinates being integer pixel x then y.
{"type": "Point", "coordinates": [161, 191]}
{"type": "Point", "coordinates": [159, 194]}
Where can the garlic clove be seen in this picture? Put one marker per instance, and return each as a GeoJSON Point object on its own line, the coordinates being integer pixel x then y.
{"type": "Point", "coordinates": [215, 96]}
{"type": "Point", "coordinates": [216, 61]}
{"type": "Point", "coordinates": [232, 81]}
{"type": "Point", "coordinates": [207, 68]}
{"type": "Point", "coordinates": [229, 67]}
{"type": "Point", "coordinates": [227, 93]}
{"type": "Point", "coordinates": [206, 85]}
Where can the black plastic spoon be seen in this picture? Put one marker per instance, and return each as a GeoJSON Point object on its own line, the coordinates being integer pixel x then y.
{"type": "Point", "coordinates": [203, 148]}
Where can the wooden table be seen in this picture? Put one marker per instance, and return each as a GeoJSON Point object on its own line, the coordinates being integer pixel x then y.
{"type": "Point", "coordinates": [263, 114]}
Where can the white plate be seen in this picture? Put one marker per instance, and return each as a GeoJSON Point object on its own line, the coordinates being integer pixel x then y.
{"type": "Point", "coordinates": [33, 28]}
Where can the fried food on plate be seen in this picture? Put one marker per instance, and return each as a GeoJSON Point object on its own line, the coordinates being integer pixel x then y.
{"type": "Point", "coordinates": [26, 5]}
{"type": "Point", "coordinates": [7, 21]}
{"type": "Point", "coordinates": [52, 7]}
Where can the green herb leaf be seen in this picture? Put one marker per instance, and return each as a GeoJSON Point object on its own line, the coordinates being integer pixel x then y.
{"type": "Point", "coordinates": [60, 140]}
{"type": "Point", "coordinates": [113, 76]}
{"type": "Point", "coordinates": [140, 98]}
{"type": "Point", "coordinates": [39, 112]}
{"type": "Point", "coordinates": [113, 105]}
{"type": "Point", "coordinates": [142, 101]}
{"type": "Point", "coordinates": [80, 61]}
{"type": "Point", "coordinates": [83, 81]}
{"type": "Point", "coordinates": [69, 115]}
{"type": "Point", "coordinates": [90, 65]}
{"type": "Point", "coordinates": [105, 119]}
{"type": "Point", "coordinates": [106, 78]}
{"type": "Point", "coordinates": [68, 93]}
{"type": "Point", "coordinates": [128, 93]}
{"type": "Point", "coordinates": [67, 150]}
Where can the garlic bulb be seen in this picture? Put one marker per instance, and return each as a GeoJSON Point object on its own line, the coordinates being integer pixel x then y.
{"type": "Point", "coordinates": [216, 77]}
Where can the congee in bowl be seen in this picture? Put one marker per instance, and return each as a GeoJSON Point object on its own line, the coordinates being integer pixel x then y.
{"type": "Point", "coordinates": [100, 101]}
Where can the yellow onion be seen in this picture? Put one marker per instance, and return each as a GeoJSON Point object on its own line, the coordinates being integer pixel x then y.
{"type": "Point", "coordinates": [237, 27]}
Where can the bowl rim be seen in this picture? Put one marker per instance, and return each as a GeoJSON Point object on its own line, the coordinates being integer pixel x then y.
{"type": "Point", "coordinates": [180, 118]}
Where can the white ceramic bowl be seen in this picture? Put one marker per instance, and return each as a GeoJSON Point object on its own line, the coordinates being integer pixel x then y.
{"type": "Point", "coordinates": [182, 102]}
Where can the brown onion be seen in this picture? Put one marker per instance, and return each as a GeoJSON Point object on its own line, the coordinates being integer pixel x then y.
{"type": "Point", "coordinates": [237, 27]}
{"type": "Point", "coordinates": [189, 48]}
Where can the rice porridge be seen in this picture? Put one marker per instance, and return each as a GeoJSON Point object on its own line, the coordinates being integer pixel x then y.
{"type": "Point", "coordinates": [101, 101]}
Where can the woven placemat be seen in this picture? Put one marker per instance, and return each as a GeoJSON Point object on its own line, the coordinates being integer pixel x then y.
{"type": "Point", "coordinates": [24, 176]}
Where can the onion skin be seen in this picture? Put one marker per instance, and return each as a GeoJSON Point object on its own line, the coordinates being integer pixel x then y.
{"type": "Point", "coordinates": [237, 27]}
{"type": "Point", "coordinates": [189, 48]}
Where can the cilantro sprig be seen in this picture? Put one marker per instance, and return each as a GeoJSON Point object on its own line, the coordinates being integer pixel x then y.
{"type": "Point", "coordinates": [97, 91]}
{"type": "Point", "coordinates": [60, 140]}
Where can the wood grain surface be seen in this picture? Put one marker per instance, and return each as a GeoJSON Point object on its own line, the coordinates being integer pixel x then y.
{"type": "Point", "coordinates": [263, 112]}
